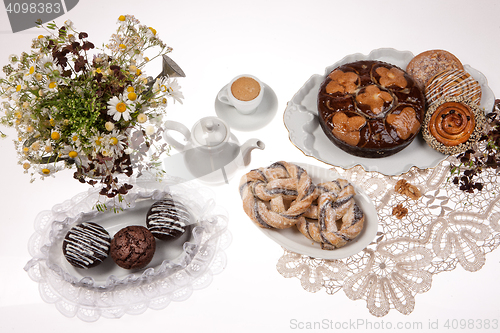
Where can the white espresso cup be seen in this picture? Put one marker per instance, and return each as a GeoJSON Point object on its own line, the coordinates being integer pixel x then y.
{"type": "Point", "coordinates": [244, 93]}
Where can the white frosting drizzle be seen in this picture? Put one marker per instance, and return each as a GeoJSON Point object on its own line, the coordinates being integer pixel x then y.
{"type": "Point", "coordinates": [167, 216]}
{"type": "Point", "coordinates": [86, 243]}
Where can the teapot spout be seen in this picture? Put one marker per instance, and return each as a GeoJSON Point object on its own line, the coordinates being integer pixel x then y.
{"type": "Point", "coordinates": [247, 147]}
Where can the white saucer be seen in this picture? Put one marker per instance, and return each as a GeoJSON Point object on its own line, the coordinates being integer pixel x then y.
{"type": "Point", "coordinates": [260, 118]}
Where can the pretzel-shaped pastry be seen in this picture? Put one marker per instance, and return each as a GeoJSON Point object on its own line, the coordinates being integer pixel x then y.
{"type": "Point", "coordinates": [277, 196]}
{"type": "Point", "coordinates": [335, 204]}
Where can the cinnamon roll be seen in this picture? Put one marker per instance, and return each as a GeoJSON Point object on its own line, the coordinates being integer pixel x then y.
{"type": "Point", "coordinates": [453, 125]}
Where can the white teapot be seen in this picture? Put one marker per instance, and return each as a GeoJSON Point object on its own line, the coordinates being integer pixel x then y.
{"type": "Point", "coordinates": [211, 153]}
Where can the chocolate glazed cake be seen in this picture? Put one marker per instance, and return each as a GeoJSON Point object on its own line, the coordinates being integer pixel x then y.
{"type": "Point", "coordinates": [168, 219]}
{"type": "Point", "coordinates": [86, 245]}
{"type": "Point", "coordinates": [370, 108]}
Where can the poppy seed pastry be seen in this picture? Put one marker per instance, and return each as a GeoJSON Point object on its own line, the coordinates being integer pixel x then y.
{"type": "Point", "coordinates": [168, 219]}
{"type": "Point", "coordinates": [133, 247]}
{"type": "Point", "coordinates": [86, 245]}
{"type": "Point", "coordinates": [370, 108]}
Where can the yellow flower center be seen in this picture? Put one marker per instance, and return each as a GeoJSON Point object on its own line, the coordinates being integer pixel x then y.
{"type": "Point", "coordinates": [122, 46]}
{"type": "Point", "coordinates": [32, 70]}
{"type": "Point", "coordinates": [121, 107]}
{"type": "Point", "coordinates": [138, 72]}
{"type": "Point", "coordinates": [132, 96]}
{"type": "Point", "coordinates": [113, 141]}
{"type": "Point", "coordinates": [38, 77]}
{"type": "Point", "coordinates": [130, 89]}
{"type": "Point", "coordinates": [40, 36]}
{"type": "Point", "coordinates": [30, 129]}
{"type": "Point", "coordinates": [18, 88]}
{"type": "Point", "coordinates": [152, 30]}
{"type": "Point", "coordinates": [98, 141]}
{"type": "Point", "coordinates": [48, 149]}
{"type": "Point", "coordinates": [163, 88]}
{"type": "Point", "coordinates": [46, 171]}
{"type": "Point", "coordinates": [72, 154]}
{"type": "Point", "coordinates": [52, 85]}
{"type": "Point", "coordinates": [26, 166]}
{"type": "Point", "coordinates": [52, 122]}
{"type": "Point", "coordinates": [121, 18]}
{"type": "Point", "coordinates": [55, 135]}
{"type": "Point", "coordinates": [74, 138]}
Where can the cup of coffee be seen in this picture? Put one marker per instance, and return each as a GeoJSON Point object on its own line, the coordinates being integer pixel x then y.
{"type": "Point", "coordinates": [244, 93]}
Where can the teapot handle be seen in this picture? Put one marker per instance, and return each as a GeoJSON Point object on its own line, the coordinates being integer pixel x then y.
{"type": "Point", "coordinates": [171, 125]}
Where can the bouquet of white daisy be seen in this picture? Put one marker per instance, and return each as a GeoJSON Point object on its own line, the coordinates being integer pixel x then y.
{"type": "Point", "coordinates": [93, 109]}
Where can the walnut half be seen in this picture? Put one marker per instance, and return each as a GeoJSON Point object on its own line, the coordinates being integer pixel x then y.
{"type": "Point", "coordinates": [405, 188]}
{"type": "Point", "coordinates": [399, 211]}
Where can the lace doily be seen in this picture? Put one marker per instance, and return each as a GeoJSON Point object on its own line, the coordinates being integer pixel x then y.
{"type": "Point", "coordinates": [444, 228]}
{"type": "Point", "coordinates": [155, 287]}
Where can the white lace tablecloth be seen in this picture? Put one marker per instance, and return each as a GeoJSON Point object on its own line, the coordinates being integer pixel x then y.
{"type": "Point", "coordinates": [444, 228]}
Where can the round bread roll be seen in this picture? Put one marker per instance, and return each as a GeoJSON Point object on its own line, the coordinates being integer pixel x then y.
{"type": "Point", "coordinates": [426, 65]}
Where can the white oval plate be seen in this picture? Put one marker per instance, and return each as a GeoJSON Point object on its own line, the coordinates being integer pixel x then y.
{"type": "Point", "coordinates": [302, 123]}
{"type": "Point", "coordinates": [292, 240]}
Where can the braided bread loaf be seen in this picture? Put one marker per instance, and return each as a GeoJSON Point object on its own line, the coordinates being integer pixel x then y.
{"type": "Point", "coordinates": [283, 195]}
{"type": "Point", "coordinates": [277, 196]}
{"type": "Point", "coordinates": [338, 218]}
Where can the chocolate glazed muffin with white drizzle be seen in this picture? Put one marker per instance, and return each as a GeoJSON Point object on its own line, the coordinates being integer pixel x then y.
{"type": "Point", "coordinates": [86, 245]}
{"type": "Point", "coordinates": [168, 219]}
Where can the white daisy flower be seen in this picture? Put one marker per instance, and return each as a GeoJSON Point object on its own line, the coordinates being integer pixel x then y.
{"type": "Point", "coordinates": [161, 86]}
{"type": "Point", "coordinates": [119, 107]}
{"type": "Point", "coordinates": [71, 152]}
{"type": "Point", "coordinates": [69, 24]}
{"type": "Point", "coordinates": [47, 63]}
{"type": "Point", "coordinates": [30, 71]}
{"type": "Point", "coordinates": [50, 86]}
{"type": "Point", "coordinates": [116, 141]}
{"type": "Point", "coordinates": [175, 92]}
{"type": "Point", "coordinates": [47, 170]}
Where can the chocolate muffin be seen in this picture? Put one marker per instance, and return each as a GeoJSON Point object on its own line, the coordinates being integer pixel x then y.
{"type": "Point", "coordinates": [86, 245]}
{"type": "Point", "coordinates": [370, 108]}
{"type": "Point", "coordinates": [133, 247]}
{"type": "Point", "coordinates": [168, 219]}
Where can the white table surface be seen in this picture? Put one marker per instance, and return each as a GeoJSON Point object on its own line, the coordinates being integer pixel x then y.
{"type": "Point", "coordinates": [283, 43]}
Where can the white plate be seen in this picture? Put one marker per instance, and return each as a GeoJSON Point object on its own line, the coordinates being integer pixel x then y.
{"type": "Point", "coordinates": [301, 121]}
{"type": "Point", "coordinates": [107, 290]}
{"type": "Point", "coordinates": [292, 240]}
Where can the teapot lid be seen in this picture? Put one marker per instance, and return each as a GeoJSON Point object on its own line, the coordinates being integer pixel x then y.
{"type": "Point", "coordinates": [210, 131]}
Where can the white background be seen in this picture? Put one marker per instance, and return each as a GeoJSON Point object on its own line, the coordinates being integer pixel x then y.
{"type": "Point", "coordinates": [283, 43]}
